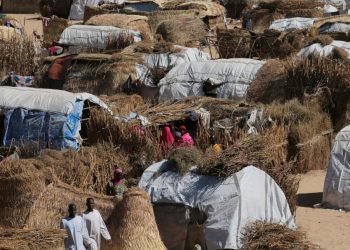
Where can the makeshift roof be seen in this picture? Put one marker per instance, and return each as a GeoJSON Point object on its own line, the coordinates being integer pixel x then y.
{"type": "Point", "coordinates": [332, 19]}
{"type": "Point", "coordinates": [210, 9]}
{"type": "Point", "coordinates": [159, 2]}
{"type": "Point", "coordinates": [48, 100]}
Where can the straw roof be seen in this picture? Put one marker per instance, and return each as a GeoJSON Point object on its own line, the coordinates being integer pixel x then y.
{"type": "Point", "coordinates": [332, 19]}
{"type": "Point", "coordinates": [133, 224]}
{"type": "Point", "coordinates": [27, 199]}
{"type": "Point", "coordinates": [12, 239]}
{"type": "Point", "coordinates": [123, 21]}
{"type": "Point", "coordinates": [210, 9]}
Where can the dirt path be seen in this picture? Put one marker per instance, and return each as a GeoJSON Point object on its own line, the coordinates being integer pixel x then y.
{"type": "Point", "coordinates": [330, 229]}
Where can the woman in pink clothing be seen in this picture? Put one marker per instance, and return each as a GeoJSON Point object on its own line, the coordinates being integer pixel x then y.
{"type": "Point", "coordinates": [186, 137]}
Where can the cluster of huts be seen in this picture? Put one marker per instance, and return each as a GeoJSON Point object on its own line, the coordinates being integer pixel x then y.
{"type": "Point", "coordinates": [266, 80]}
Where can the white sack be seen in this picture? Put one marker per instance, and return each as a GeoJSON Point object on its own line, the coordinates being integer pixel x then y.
{"type": "Point", "coordinates": [336, 191]}
{"type": "Point", "coordinates": [317, 49]}
{"type": "Point", "coordinates": [339, 4]}
{"type": "Point", "coordinates": [292, 24]}
{"type": "Point", "coordinates": [91, 36]}
{"type": "Point", "coordinates": [229, 204]}
{"type": "Point", "coordinates": [232, 75]}
{"type": "Point", "coordinates": [77, 8]}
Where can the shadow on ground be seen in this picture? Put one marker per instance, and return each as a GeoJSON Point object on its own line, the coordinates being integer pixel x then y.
{"type": "Point", "coordinates": [309, 199]}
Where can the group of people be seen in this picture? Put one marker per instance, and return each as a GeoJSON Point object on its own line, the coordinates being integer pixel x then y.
{"type": "Point", "coordinates": [84, 232]}
{"type": "Point", "coordinates": [181, 138]}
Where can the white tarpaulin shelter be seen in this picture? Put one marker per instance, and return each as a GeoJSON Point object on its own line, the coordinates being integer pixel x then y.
{"type": "Point", "coordinates": [339, 4]}
{"type": "Point", "coordinates": [96, 37]}
{"type": "Point", "coordinates": [231, 78]}
{"type": "Point", "coordinates": [317, 49]}
{"type": "Point", "coordinates": [77, 8]}
{"type": "Point", "coordinates": [295, 23]}
{"type": "Point", "coordinates": [169, 60]}
{"type": "Point", "coordinates": [47, 100]}
{"type": "Point", "coordinates": [335, 27]}
{"type": "Point", "coordinates": [336, 191]}
{"type": "Point", "coordinates": [228, 204]}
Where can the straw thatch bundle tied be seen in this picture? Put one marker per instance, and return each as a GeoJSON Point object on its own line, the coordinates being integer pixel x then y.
{"type": "Point", "coordinates": [340, 54]}
{"type": "Point", "coordinates": [183, 159]}
{"type": "Point", "coordinates": [308, 75]}
{"type": "Point", "coordinates": [269, 83]}
{"type": "Point", "coordinates": [235, 43]}
{"type": "Point", "coordinates": [273, 236]}
{"type": "Point", "coordinates": [183, 31]}
{"type": "Point", "coordinates": [123, 21]}
{"type": "Point", "coordinates": [133, 224]}
{"type": "Point", "coordinates": [20, 186]}
{"type": "Point", "coordinates": [29, 239]}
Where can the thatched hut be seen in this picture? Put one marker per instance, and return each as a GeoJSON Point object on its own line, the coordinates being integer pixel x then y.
{"type": "Point", "coordinates": [132, 225]}
{"type": "Point", "coordinates": [32, 198]}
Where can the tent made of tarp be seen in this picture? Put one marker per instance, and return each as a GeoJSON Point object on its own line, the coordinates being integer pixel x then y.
{"type": "Point", "coordinates": [334, 27]}
{"type": "Point", "coordinates": [168, 61]}
{"type": "Point", "coordinates": [295, 23]}
{"type": "Point", "coordinates": [228, 78]}
{"type": "Point", "coordinates": [336, 191]}
{"type": "Point", "coordinates": [43, 117]}
{"type": "Point", "coordinates": [77, 8]}
{"type": "Point", "coordinates": [224, 206]}
{"type": "Point", "coordinates": [318, 49]}
{"type": "Point", "coordinates": [95, 37]}
{"type": "Point", "coordinates": [91, 36]}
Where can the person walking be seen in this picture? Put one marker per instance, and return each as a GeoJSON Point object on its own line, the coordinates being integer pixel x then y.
{"type": "Point", "coordinates": [95, 225]}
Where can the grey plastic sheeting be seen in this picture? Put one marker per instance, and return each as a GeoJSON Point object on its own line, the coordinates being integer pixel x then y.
{"type": "Point", "coordinates": [229, 204]}
{"type": "Point", "coordinates": [336, 192]}
{"type": "Point", "coordinates": [232, 77]}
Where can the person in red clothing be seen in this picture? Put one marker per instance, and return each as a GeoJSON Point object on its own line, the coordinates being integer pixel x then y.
{"type": "Point", "coordinates": [167, 138]}
{"type": "Point", "coordinates": [57, 72]}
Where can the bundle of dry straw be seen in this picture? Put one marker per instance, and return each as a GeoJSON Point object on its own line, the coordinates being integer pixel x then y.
{"type": "Point", "coordinates": [32, 197]}
{"type": "Point", "coordinates": [123, 21]}
{"type": "Point", "coordinates": [181, 160]}
{"type": "Point", "coordinates": [17, 56]}
{"type": "Point", "coordinates": [236, 43]}
{"type": "Point", "coordinates": [263, 235]}
{"type": "Point", "coordinates": [29, 239]}
{"type": "Point", "coordinates": [53, 30]}
{"type": "Point", "coordinates": [132, 225]}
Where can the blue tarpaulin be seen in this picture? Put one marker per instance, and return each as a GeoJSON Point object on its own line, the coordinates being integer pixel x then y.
{"type": "Point", "coordinates": [42, 129]}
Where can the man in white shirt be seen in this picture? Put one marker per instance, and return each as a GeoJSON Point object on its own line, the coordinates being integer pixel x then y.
{"type": "Point", "coordinates": [95, 224]}
{"type": "Point", "coordinates": [78, 236]}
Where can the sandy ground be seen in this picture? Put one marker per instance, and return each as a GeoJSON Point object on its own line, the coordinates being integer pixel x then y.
{"type": "Point", "coordinates": [330, 229]}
